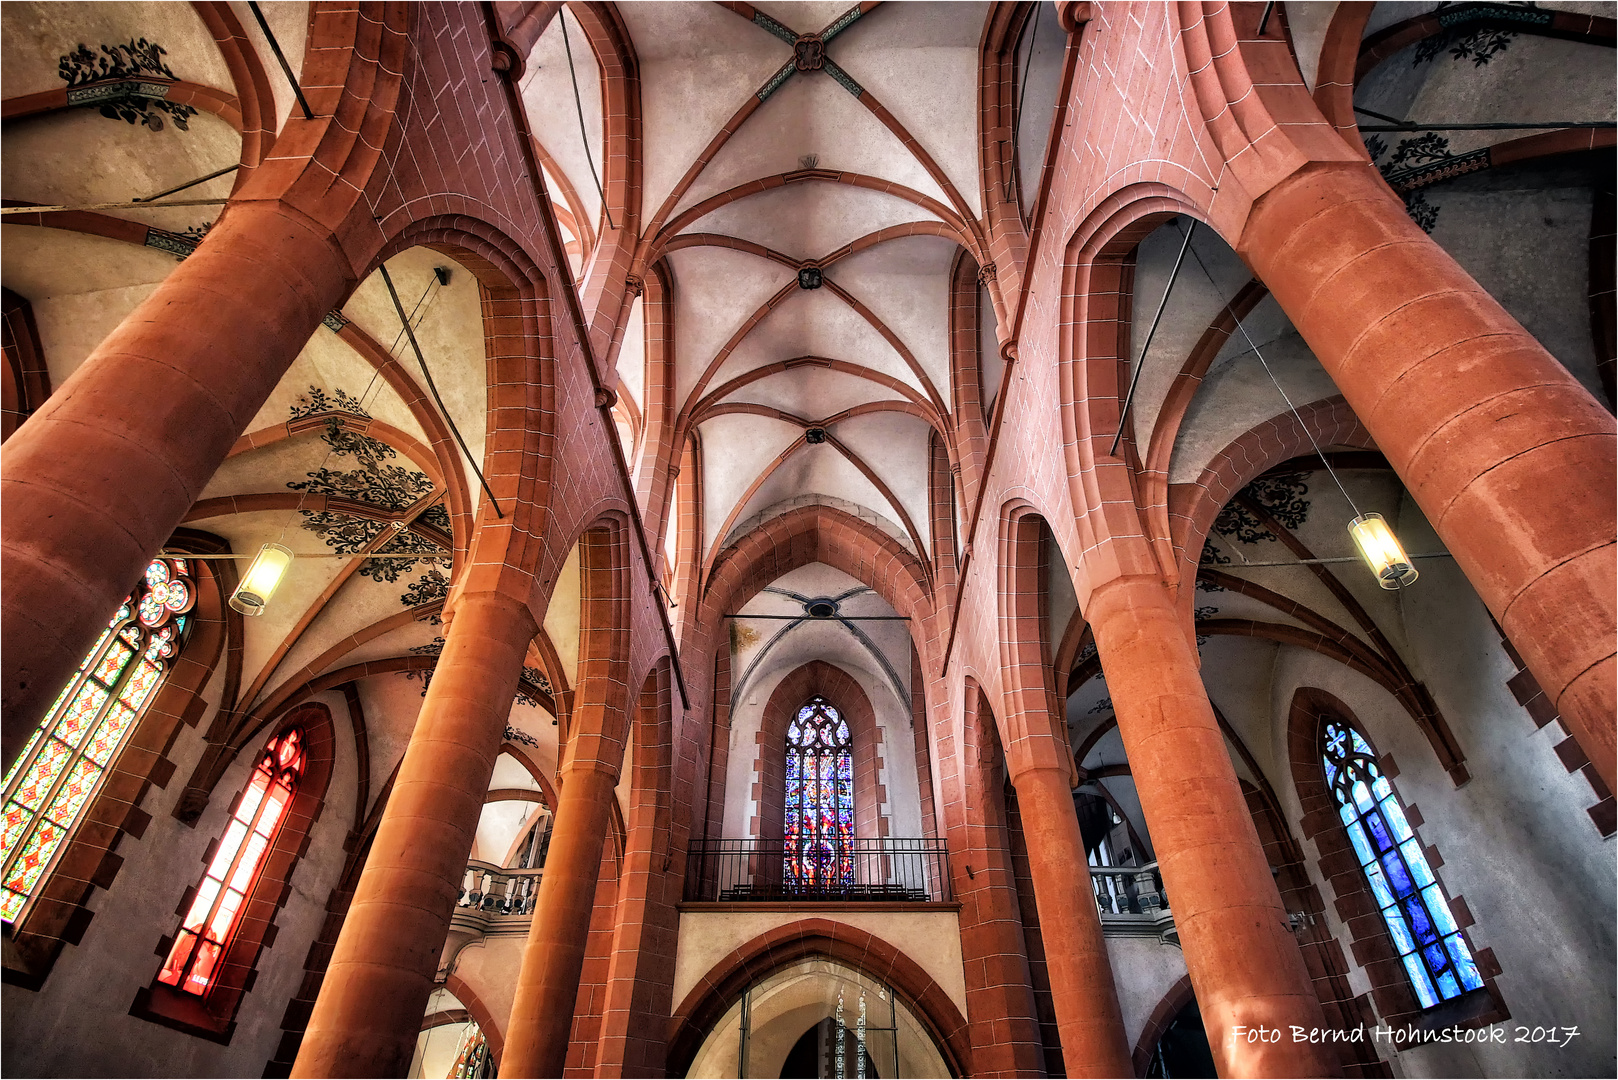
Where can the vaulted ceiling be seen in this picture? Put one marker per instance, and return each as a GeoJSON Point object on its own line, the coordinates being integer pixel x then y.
{"type": "Point", "coordinates": [809, 202]}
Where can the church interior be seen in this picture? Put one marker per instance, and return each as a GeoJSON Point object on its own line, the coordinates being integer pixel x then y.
{"type": "Point", "coordinates": [808, 538]}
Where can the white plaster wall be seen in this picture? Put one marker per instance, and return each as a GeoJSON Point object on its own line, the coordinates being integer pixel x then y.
{"type": "Point", "coordinates": [758, 667]}
{"type": "Point", "coordinates": [1143, 969]}
{"type": "Point", "coordinates": [1515, 840]}
{"type": "Point", "coordinates": [78, 1024]}
{"type": "Point", "coordinates": [902, 807]}
{"type": "Point", "coordinates": [489, 967]}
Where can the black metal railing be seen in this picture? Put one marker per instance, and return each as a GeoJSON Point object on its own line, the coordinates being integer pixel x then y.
{"type": "Point", "coordinates": [889, 868]}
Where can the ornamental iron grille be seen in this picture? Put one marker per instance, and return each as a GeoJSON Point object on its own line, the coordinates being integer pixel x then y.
{"type": "Point", "coordinates": [1434, 954]}
{"type": "Point", "coordinates": [216, 909]}
{"type": "Point", "coordinates": [62, 767]}
{"type": "Point", "coordinates": [819, 816]}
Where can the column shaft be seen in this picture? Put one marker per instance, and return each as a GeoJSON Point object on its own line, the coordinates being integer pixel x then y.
{"type": "Point", "coordinates": [548, 985]}
{"type": "Point", "coordinates": [375, 991]}
{"type": "Point", "coordinates": [1244, 963]}
{"type": "Point", "coordinates": [1002, 1018]}
{"type": "Point", "coordinates": [1510, 458]}
{"type": "Point", "coordinates": [1082, 990]}
{"type": "Point", "coordinates": [96, 481]}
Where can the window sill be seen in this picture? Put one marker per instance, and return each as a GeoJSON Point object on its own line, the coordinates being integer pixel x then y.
{"type": "Point", "coordinates": [1473, 1009]}
{"type": "Point", "coordinates": [182, 1012]}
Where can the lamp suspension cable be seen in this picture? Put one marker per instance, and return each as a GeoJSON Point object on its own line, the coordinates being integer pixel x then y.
{"type": "Point", "coordinates": [1369, 531]}
{"type": "Point", "coordinates": [190, 183]}
{"type": "Point", "coordinates": [410, 332]}
{"type": "Point", "coordinates": [1253, 347]}
{"type": "Point", "coordinates": [578, 103]}
{"type": "Point", "coordinates": [272, 561]}
{"type": "Point", "coordinates": [1022, 92]}
{"type": "Point", "coordinates": [1134, 381]}
{"type": "Point", "coordinates": [286, 68]}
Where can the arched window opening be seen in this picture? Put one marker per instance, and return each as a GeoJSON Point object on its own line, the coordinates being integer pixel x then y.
{"type": "Point", "coordinates": [214, 913]}
{"type": "Point", "coordinates": [1182, 1048]}
{"type": "Point", "coordinates": [1435, 955]}
{"type": "Point", "coordinates": [62, 767]}
{"type": "Point", "coordinates": [537, 844]}
{"type": "Point", "coordinates": [819, 820]}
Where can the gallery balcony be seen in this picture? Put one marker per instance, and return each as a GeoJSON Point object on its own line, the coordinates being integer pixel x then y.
{"type": "Point", "coordinates": [496, 900]}
{"type": "Point", "coordinates": [888, 870]}
{"type": "Point", "coordinates": [1132, 903]}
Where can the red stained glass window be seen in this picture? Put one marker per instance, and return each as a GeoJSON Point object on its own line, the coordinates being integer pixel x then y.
{"type": "Point", "coordinates": [205, 933]}
{"type": "Point", "coordinates": [62, 767]}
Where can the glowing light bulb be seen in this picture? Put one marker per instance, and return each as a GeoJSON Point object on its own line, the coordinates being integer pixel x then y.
{"type": "Point", "coordinates": [1381, 551]}
{"type": "Point", "coordinates": [261, 580]}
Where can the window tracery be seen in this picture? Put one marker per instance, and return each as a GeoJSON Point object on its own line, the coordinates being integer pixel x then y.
{"type": "Point", "coordinates": [819, 825]}
{"type": "Point", "coordinates": [211, 920]}
{"type": "Point", "coordinates": [62, 767]}
{"type": "Point", "coordinates": [1435, 956]}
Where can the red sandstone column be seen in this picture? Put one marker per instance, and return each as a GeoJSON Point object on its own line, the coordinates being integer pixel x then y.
{"type": "Point", "coordinates": [1245, 965]}
{"type": "Point", "coordinates": [548, 986]}
{"type": "Point", "coordinates": [1002, 1018]}
{"type": "Point", "coordinates": [371, 1003]}
{"type": "Point", "coordinates": [1508, 456]}
{"type": "Point", "coordinates": [1082, 990]}
{"type": "Point", "coordinates": [95, 482]}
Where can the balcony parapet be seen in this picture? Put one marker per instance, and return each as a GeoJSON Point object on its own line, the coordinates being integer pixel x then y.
{"type": "Point", "coordinates": [1132, 903]}
{"type": "Point", "coordinates": [886, 870]}
{"type": "Point", "coordinates": [496, 899]}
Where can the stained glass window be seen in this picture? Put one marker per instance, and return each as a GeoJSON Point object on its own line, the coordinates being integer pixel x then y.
{"type": "Point", "coordinates": [819, 816]}
{"type": "Point", "coordinates": [472, 1057]}
{"type": "Point", "coordinates": [205, 932]}
{"type": "Point", "coordinates": [62, 767]}
{"type": "Point", "coordinates": [1435, 956]}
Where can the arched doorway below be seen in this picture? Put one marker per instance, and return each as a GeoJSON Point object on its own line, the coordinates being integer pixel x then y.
{"type": "Point", "coordinates": [826, 1045]}
{"type": "Point", "coordinates": [1182, 1049]}
{"type": "Point", "coordinates": [787, 1024]}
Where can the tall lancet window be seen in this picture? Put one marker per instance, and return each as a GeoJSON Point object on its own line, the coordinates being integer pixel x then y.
{"type": "Point", "coordinates": [228, 882]}
{"type": "Point", "coordinates": [819, 821]}
{"type": "Point", "coordinates": [1430, 945]}
{"type": "Point", "coordinates": [62, 767]}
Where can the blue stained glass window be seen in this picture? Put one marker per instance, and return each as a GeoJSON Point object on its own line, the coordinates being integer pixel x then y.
{"type": "Point", "coordinates": [819, 851]}
{"type": "Point", "coordinates": [1401, 933]}
{"type": "Point", "coordinates": [1430, 946]}
{"type": "Point", "coordinates": [1417, 862]}
{"type": "Point", "coordinates": [1356, 836]}
{"type": "Point", "coordinates": [1379, 831]}
{"type": "Point", "coordinates": [1397, 873]}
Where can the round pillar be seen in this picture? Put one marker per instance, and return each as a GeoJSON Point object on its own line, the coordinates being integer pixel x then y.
{"type": "Point", "coordinates": [553, 959]}
{"type": "Point", "coordinates": [1244, 962]}
{"type": "Point", "coordinates": [370, 1006]}
{"type": "Point", "coordinates": [1088, 1018]}
{"type": "Point", "coordinates": [96, 481]}
{"type": "Point", "coordinates": [1510, 458]}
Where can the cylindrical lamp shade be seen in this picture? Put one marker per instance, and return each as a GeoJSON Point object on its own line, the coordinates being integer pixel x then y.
{"type": "Point", "coordinates": [261, 579]}
{"type": "Point", "coordinates": [1381, 551]}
